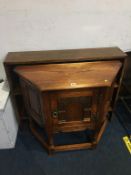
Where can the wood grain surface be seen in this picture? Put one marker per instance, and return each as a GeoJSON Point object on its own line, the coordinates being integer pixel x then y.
{"type": "Point", "coordinates": [71, 55]}
{"type": "Point", "coordinates": [69, 76]}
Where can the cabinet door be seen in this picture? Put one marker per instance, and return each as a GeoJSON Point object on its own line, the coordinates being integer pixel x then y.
{"type": "Point", "coordinates": [74, 110]}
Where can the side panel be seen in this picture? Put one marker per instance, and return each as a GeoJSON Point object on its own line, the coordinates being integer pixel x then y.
{"type": "Point", "coordinates": [32, 101]}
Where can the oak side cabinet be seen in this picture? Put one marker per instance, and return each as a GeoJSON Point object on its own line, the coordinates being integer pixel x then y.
{"type": "Point", "coordinates": [65, 91]}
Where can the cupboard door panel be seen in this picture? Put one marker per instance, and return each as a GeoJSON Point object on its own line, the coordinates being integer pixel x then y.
{"type": "Point", "coordinates": [76, 109]}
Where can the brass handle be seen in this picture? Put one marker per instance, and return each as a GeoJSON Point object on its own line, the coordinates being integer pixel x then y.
{"type": "Point", "coordinates": [55, 114]}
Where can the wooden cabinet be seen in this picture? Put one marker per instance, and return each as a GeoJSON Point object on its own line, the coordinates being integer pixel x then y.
{"type": "Point", "coordinates": [66, 91]}
{"type": "Point", "coordinates": [68, 97]}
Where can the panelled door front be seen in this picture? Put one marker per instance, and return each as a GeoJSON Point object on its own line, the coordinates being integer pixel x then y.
{"type": "Point", "coordinates": [75, 110]}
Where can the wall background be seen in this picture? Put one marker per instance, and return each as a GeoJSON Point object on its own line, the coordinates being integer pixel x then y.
{"type": "Point", "coordinates": [63, 24]}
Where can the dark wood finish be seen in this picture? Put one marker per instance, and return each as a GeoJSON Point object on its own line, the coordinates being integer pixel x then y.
{"type": "Point", "coordinates": [70, 102]}
{"type": "Point", "coordinates": [127, 74]}
{"type": "Point", "coordinates": [58, 107]}
{"type": "Point", "coordinates": [72, 55]}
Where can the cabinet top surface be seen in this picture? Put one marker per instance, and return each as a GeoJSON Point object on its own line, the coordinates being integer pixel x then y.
{"type": "Point", "coordinates": [71, 75]}
{"type": "Point", "coordinates": [55, 56]}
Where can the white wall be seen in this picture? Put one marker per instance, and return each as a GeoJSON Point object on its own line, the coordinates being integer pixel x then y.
{"type": "Point", "coordinates": [63, 24]}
